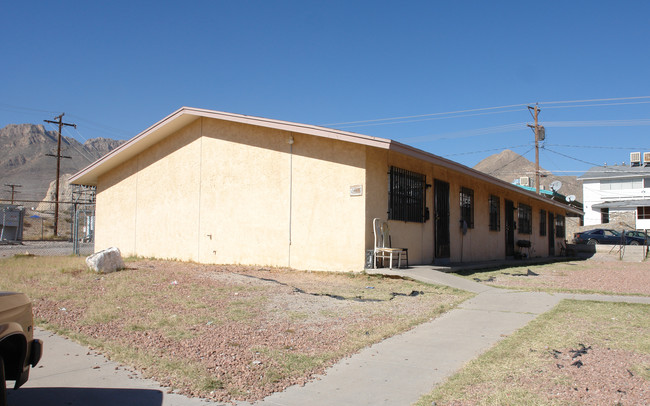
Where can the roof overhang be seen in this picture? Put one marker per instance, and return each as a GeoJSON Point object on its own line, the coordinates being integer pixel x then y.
{"type": "Point", "coordinates": [622, 204]}
{"type": "Point", "coordinates": [186, 115]}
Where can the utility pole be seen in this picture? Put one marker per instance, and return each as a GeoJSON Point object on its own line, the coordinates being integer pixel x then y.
{"type": "Point", "coordinates": [540, 135]}
{"type": "Point", "coordinates": [59, 121]}
{"type": "Point", "coordinates": [13, 190]}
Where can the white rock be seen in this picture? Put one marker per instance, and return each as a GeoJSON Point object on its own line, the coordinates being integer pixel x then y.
{"type": "Point", "coordinates": [106, 261]}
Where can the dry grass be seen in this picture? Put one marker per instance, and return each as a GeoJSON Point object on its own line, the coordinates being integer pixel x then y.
{"type": "Point", "coordinates": [534, 366]}
{"type": "Point", "coordinates": [590, 276]}
{"type": "Point", "coordinates": [221, 332]}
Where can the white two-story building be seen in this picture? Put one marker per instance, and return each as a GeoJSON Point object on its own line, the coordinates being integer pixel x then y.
{"type": "Point", "coordinates": [618, 193]}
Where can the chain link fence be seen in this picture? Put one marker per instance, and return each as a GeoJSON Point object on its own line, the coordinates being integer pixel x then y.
{"type": "Point", "coordinates": [32, 227]}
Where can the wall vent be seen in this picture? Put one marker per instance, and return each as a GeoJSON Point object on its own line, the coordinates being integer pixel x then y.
{"type": "Point", "coordinates": [524, 181]}
{"type": "Point", "coordinates": [635, 159]}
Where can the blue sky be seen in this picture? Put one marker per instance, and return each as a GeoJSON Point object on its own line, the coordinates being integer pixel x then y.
{"type": "Point", "coordinates": [117, 67]}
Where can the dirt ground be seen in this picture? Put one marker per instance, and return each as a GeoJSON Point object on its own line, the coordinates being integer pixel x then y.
{"type": "Point", "coordinates": [613, 277]}
{"type": "Point", "coordinates": [250, 331]}
{"type": "Point", "coordinates": [595, 375]}
{"type": "Point", "coordinates": [248, 355]}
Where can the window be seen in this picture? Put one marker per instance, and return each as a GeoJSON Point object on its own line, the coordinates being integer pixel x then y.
{"type": "Point", "coordinates": [604, 215]}
{"type": "Point", "coordinates": [467, 206]}
{"type": "Point", "coordinates": [621, 184]}
{"type": "Point", "coordinates": [525, 219]}
{"type": "Point", "coordinates": [559, 226]}
{"type": "Point", "coordinates": [406, 195]}
{"type": "Point", "coordinates": [495, 213]}
{"type": "Point", "coordinates": [643, 213]}
{"type": "Point", "coordinates": [542, 222]}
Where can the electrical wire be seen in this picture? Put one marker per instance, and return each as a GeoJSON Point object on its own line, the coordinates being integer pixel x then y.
{"type": "Point", "coordinates": [597, 147]}
{"type": "Point", "coordinates": [488, 150]}
{"type": "Point", "coordinates": [429, 114]}
{"type": "Point", "coordinates": [512, 161]}
{"type": "Point", "coordinates": [425, 119]}
{"type": "Point", "coordinates": [595, 105]}
{"type": "Point", "coordinates": [457, 112]}
{"type": "Point", "coordinates": [610, 169]}
{"type": "Point", "coordinates": [82, 154]}
{"type": "Point", "coordinates": [599, 123]}
{"type": "Point", "coordinates": [595, 100]}
{"type": "Point", "coordinates": [466, 133]}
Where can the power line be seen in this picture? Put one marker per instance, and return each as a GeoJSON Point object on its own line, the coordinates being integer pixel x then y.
{"type": "Point", "coordinates": [487, 150]}
{"type": "Point", "coordinates": [597, 147]}
{"type": "Point", "coordinates": [611, 169]}
{"type": "Point", "coordinates": [512, 161]}
{"type": "Point", "coordinates": [599, 123]}
{"type": "Point", "coordinates": [596, 105]}
{"type": "Point", "coordinates": [595, 100]}
{"type": "Point", "coordinates": [484, 109]}
{"type": "Point", "coordinates": [429, 114]}
{"type": "Point", "coordinates": [467, 133]}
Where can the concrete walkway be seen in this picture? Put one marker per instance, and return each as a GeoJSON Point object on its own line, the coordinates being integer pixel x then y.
{"type": "Point", "coordinates": [396, 371]}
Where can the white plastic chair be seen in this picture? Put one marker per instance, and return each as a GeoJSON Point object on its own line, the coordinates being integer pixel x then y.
{"type": "Point", "coordinates": [383, 250]}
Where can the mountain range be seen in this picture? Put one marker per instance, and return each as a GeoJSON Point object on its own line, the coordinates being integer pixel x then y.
{"type": "Point", "coordinates": [24, 160]}
{"type": "Point", "coordinates": [509, 166]}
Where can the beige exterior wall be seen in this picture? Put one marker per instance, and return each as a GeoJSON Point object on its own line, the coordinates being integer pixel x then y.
{"type": "Point", "coordinates": [148, 206]}
{"type": "Point", "coordinates": [223, 192]}
{"type": "Point", "coordinates": [479, 243]}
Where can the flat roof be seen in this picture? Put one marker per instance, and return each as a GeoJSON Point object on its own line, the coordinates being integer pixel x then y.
{"type": "Point", "coordinates": [615, 172]}
{"type": "Point", "coordinates": [186, 115]}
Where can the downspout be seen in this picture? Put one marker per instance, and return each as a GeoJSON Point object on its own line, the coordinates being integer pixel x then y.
{"type": "Point", "coordinates": [290, 142]}
{"type": "Point", "coordinates": [198, 231]}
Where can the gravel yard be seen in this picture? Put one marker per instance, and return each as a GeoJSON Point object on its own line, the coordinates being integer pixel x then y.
{"type": "Point", "coordinates": [605, 359]}
{"type": "Point", "coordinates": [612, 277]}
{"type": "Point", "coordinates": [223, 333]}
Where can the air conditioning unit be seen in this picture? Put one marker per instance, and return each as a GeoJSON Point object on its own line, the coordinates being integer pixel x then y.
{"type": "Point", "coordinates": [524, 181]}
{"type": "Point", "coordinates": [646, 158]}
{"type": "Point", "coordinates": [635, 159]}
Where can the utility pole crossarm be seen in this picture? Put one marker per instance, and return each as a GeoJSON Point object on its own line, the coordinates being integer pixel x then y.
{"type": "Point", "coordinates": [60, 123]}
{"type": "Point", "coordinates": [13, 187]}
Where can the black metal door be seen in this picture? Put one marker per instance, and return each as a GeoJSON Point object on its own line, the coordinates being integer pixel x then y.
{"type": "Point", "coordinates": [510, 228]}
{"type": "Point", "coordinates": [441, 213]}
{"type": "Point", "coordinates": [551, 234]}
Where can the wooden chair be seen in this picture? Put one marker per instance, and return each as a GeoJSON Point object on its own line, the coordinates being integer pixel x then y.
{"type": "Point", "coordinates": [383, 249]}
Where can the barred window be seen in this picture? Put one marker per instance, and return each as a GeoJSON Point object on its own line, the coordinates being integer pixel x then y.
{"type": "Point", "coordinates": [542, 222]}
{"type": "Point", "coordinates": [525, 219]}
{"type": "Point", "coordinates": [467, 206]}
{"type": "Point", "coordinates": [643, 212]}
{"type": "Point", "coordinates": [495, 213]}
{"type": "Point", "coordinates": [406, 195]}
{"type": "Point", "coordinates": [559, 226]}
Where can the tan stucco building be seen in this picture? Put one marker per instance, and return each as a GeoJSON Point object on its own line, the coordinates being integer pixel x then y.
{"type": "Point", "coordinates": [216, 187]}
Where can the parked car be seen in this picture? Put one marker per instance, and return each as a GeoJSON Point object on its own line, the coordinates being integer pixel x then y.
{"type": "Point", "coordinates": [597, 236]}
{"type": "Point", "coordinates": [637, 238]}
{"type": "Point", "coordinates": [18, 348]}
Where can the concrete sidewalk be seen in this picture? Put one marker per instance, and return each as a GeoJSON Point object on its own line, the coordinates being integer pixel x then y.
{"type": "Point", "coordinates": [398, 370]}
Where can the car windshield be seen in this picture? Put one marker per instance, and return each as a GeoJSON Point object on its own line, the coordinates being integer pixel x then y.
{"type": "Point", "coordinates": [613, 232]}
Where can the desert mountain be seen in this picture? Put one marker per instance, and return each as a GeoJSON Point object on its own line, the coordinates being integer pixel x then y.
{"type": "Point", "coordinates": [508, 166]}
{"type": "Point", "coordinates": [23, 159]}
